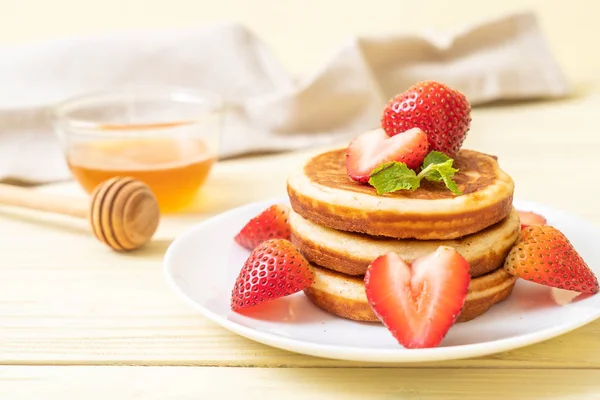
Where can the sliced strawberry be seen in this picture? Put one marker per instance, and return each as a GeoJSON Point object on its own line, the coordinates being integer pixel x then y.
{"type": "Point", "coordinates": [418, 303]}
{"type": "Point", "coordinates": [544, 255]}
{"type": "Point", "coordinates": [443, 113]}
{"type": "Point", "coordinates": [529, 218]}
{"type": "Point", "coordinates": [274, 269]}
{"type": "Point", "coordinates": [371, 149]}
{"type": "Point", "coordinates": [272, 223]}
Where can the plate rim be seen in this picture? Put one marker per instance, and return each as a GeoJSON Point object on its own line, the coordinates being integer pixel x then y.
{"type": "Point", "coordinates": [344, 353]}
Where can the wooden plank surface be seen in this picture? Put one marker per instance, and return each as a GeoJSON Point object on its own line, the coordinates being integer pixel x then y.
{"type": "Point", "coordinates": [66, 300]}
{"type": "Point", "coordinates": [185, 383]}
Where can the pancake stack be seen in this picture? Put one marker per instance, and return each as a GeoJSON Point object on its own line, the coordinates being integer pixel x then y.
{"type": "Point", "coordinates": [341, 226]}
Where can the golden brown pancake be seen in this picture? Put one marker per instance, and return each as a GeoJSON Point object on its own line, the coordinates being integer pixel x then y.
{"type": "Point", "coordinates": [322, 192]}
{"type": "Point", "coordinates": [345, 295]}
{"type": "Point", "coordinates": [351, 253]}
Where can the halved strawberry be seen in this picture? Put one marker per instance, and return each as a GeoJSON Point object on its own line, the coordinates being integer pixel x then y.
{"type": "Point", "coordinates": [371, 149]}
{"type": "Point", "coordinates": [272, 223]}
{"type": "Point", "coordinates": [529, 218]}
{"type": "Point", "coordinates": [418, 302]}
{"type": "Point", "coordinates": [544, 255]}
{"type": "Point", "coordinates": [274, 269]}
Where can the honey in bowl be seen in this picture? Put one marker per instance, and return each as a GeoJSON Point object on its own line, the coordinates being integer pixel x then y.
{"type": "Point", "coordinates": [174, 168]}
{"type": "Point", "coordinates": [164, 136]}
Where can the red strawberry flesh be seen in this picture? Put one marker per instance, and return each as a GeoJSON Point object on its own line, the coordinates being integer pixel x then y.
{"type": "Point", "coordinates": [418, 303]}
{"type": "Point", "coordinates": [274, 269]}
{"type": "Point", "coordinates": [529, 218]}
{"type": "Point", "coordinates": [371, 149]}
{"type": "Point", "coordinates": [271, 223]}
{"type": "Point", "coordinates": [442, 112]}
{"type": "Point", "coordinates": [544, 255]}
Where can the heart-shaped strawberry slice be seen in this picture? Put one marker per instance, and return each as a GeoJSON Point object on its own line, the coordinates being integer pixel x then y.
{"type": "Point", "coordinates": [371, 149]}
{"type": "Point", "coordinates": [418, 302]}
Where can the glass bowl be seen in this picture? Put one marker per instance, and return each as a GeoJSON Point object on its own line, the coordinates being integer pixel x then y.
{"type": "Point", "coordinates": [166, 137]}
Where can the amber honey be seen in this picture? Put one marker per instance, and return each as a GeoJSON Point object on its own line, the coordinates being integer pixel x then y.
{"type": "Point", "coordinates": [174, 169]}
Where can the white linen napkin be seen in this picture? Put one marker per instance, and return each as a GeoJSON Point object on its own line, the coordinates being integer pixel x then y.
{"type": "Point", "coordinates": [265, 108]}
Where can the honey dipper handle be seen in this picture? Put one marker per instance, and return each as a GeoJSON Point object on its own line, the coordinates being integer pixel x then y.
{"type": "Point", "coordinates": [35, 200]}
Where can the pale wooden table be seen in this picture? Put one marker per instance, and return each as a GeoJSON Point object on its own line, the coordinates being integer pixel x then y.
{"type": "Point", "coordinates": [78, 321]}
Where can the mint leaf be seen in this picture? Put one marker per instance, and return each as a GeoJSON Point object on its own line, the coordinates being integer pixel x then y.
{"type": "Point", "coordinates": [436, 172]}
{"type": "Point", "coordinates": [450, 184]}
{"type": "Point", "coordinates": [393, 176]}
{"type": "Point", "coordinates": [441, 172]}
{"type": "Point", "coordinates": [435, 157]}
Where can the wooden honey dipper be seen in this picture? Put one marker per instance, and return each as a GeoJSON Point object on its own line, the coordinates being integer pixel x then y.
{"type": "Point", "coordinates": [123, 212]}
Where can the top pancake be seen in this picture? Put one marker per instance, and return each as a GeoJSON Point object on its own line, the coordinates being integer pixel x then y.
{"type": "Point", "coordinates": [322, 192]}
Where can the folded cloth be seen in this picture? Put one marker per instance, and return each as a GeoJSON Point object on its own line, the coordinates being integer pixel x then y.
{"type": "Point", "coordinates": [265, 109]}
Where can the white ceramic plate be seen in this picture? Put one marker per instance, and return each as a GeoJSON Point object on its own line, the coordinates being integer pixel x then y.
{"type": "Point", "coordinates": [202, 266]}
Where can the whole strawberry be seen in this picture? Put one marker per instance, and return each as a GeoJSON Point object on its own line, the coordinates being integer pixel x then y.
{"type": "Point", "coordinates": [444, 114]}
{"type": "Point", "coordinates": [274, 269]}
{"type": "Point", "coordinates": [271, 223]}
{"type": "Point", "coordinates": [544, 255]}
